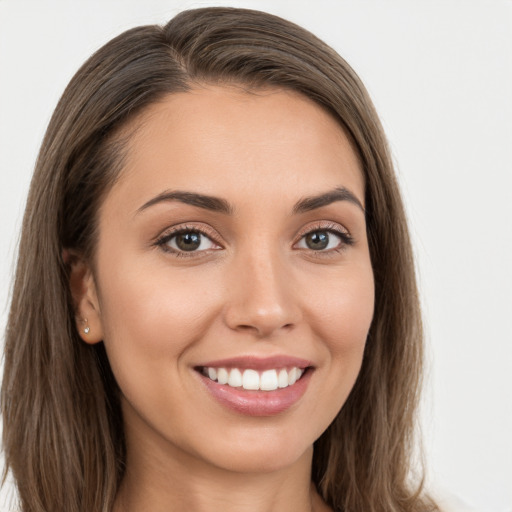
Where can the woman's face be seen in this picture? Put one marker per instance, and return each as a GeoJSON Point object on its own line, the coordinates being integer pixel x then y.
{"type": "Point", "coordinates": [233, 247]}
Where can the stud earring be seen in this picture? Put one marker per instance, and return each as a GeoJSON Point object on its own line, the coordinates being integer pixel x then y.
{"type": "Point", "coordinates": [87, 329]}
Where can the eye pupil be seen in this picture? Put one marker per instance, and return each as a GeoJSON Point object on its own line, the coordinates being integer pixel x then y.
{"type": "Point", "coordinates": [317, 240]}
{"type": "Point", "coordinates": [189, 241]}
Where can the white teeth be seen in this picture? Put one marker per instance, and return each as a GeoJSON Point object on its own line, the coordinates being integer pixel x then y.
{"type": "Point", "coordinates": [293, 375]}
{"type": "Point", "coordinates": [268, 380]}
{"type": "Point", "coordinates": [222, 376]}
{"type": "Point", "coordinates": [251, 380]}
{"type": "Point", "coordinates": [235, 378]}
{"type": "Point", "coordinates": [282, 380]}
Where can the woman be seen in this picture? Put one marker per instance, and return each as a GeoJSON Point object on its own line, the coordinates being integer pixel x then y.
{"type": "Point", "coordinates": [215, 295]}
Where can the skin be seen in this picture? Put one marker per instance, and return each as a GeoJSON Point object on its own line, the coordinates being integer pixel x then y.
{"type": "Point", "coordinates": [256, 289]}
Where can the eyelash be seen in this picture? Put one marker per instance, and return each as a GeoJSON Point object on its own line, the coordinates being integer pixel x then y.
{"type": "Point", "coordinates": [346, 239]}
{"type": "Point", "coordinates": [165, 238]}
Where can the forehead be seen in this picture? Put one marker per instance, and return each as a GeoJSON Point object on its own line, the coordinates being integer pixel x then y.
{"type": "Point", "coordinates": [223, 140]}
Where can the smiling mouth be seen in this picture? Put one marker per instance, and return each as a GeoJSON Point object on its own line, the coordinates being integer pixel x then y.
{"type": "Point", "coordinates": [253, 380]}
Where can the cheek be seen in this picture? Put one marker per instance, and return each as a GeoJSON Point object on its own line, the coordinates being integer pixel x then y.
{"type": "Point", "coordinates": [342, 317]}
{"type": "Point", "coordinates": [342, 311]}
{"type": "Point", "coordinates": [153, 316]}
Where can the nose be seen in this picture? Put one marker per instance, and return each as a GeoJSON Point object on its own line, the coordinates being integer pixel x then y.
{"type": "Point", "coordinates": [262, 298]}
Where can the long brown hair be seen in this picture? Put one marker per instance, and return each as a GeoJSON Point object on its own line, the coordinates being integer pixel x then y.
{"type": "Point", "coordinates": [63, 431]}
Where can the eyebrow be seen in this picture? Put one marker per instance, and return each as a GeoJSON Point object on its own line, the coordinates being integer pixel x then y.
{"type": "Point", "coordinates": [217, 204]}
{"type": "Point", "coordinates": [338, 194]}
{"type": "Point", "coordinates": [214, 204]}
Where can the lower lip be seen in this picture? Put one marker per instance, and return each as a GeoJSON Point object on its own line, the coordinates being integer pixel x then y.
{"type": "Point", "coordinates": [258, 403]}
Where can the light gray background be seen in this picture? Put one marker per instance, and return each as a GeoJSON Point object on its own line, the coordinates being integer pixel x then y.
{"type": "Point", "coordinates": [440, 73]}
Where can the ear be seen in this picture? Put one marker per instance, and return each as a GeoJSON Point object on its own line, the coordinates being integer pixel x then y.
{"type": "Point", "coordinates": [85, 298]}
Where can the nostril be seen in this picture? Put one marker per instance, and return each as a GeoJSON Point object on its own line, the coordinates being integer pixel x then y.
{"type": "Point", "coordinates": [261, 330]}
{"type": "Point", "coordinates": [244, 327]}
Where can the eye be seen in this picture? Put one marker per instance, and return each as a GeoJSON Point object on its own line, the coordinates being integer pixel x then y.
{"type": "Point", "coordinates": [324, 240]}
{"type": "Point", "coordinates": [319, 241]}
{"type": "Point", "coordinates": [186, 240]}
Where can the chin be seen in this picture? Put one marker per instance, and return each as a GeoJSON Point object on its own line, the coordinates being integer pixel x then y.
{"type": "Point", "coordinates": [265, 451]}
{"type": "Point", "coordinates": [262, 460]}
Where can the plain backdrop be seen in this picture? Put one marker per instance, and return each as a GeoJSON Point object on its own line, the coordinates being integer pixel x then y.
{"type": "Point", "coordinates": [440, 74]}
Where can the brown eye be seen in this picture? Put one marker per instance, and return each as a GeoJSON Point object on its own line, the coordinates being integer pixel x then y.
{"type": "Point", "coordinates": [188, 241]}
{"type": "Point", "coordinates": [325, 240]}
{"type": "Point", "coordinates": [317, 240]}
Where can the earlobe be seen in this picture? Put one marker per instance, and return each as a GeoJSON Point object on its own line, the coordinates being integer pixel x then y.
{"type": "Point", "coordinates": [85, 298]}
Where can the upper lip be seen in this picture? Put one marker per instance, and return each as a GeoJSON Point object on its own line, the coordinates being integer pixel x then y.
{"type": "Point", "coordinates": [258, 363]}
